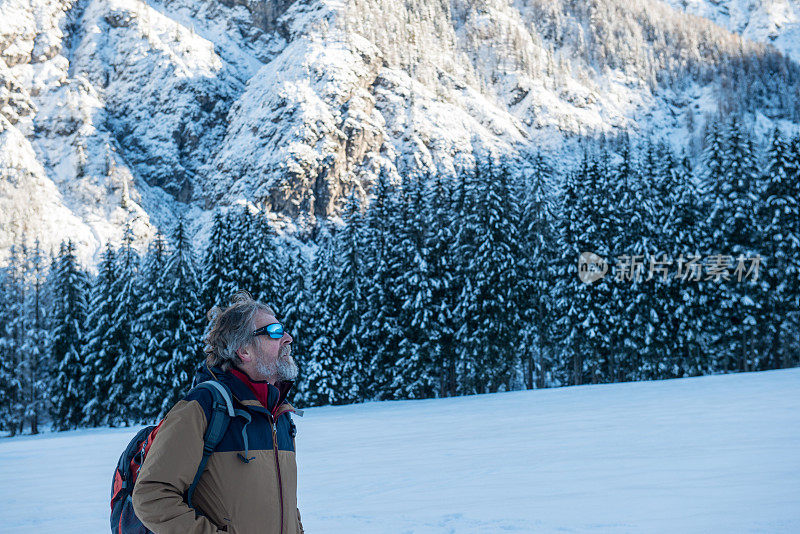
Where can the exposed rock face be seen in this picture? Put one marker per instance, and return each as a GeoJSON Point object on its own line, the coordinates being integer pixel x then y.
{"type": "Point", "coordinates": [129, 111]}
{"type": "Point", "coordinates": [297, 137]}
{"type": "Point", "coordinates": [15, 101]}
{"type": "Point", "coordinates": [264, 14]}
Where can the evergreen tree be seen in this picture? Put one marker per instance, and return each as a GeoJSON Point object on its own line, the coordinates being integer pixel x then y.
{"type": "Point", "coordinates": [572, 298]}
{"type": "Point", "coordinates": [488, 242]}
{"type": "Point", "coordinates": [537, 234]}
{"type": "Point", "coordinates": [150, 386]}
{"type": "Point", "coordinates": [601, 232]}
{"type": "Point", "coordinates": [8, 378]}
{"type": "Point", "coordinates": [382, 259]}
{"type": "Point", "coordinates": [127, 300]}
{"type": "Point", "coordinates": [103, 347]}
{"type": "Point", "coordinates": [729, 188]}
{"type": "Point", "coordinates": [217, 286]}
{"type": "Point", "coordinates": [298, 312]}
{"type": "Point", "coordinates": [109, 355]}
{"type": "Point", "coordinates": [35, 349]}
{"type": "Point", "coordinates": [779, 230]}
{"type": "Point", "coordinates": [498, 282]}
{"type": "Point", "coordinates": [684, 235]}
{"type": "Point", "coordinates": [713, 195]}
{"type": "Point", "coordinates": [240, 269]}
{"type": "Point", "coordinates": [12, 405]}
{"type": "Point", "coordinates": [70, 287]}
{"type": "Point", "coordinates": [416, 374]}
{"type": "Point", "coordinates": [623, 245]}
{"type": "Point", "coordinates": [348, 306]}
{"type": "Point", "coordinates": [645, 308]}
{"type": "Point", "coordinates": [443, 296]}
{"type": "Point", "coordinates": [24, 339]}
{"type": "Point", "coordinates": [266, 263]}
{"type": "Point", "coordinates": [322, 373]}
{"type": "Point", "coordinates": [182, 326]}
{"type": "Point", "coordinates": [465, 247]}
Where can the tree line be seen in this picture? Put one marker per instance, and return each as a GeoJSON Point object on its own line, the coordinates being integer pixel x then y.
{"type": "Point", "coordinates": [438, 286]}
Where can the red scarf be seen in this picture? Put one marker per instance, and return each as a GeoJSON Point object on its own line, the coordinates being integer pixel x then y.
{"type": "Point", "coordinates": [260, 388]}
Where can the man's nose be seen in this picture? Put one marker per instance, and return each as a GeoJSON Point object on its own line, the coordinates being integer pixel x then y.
{"type": "Point", "coordinates": [287, 338]}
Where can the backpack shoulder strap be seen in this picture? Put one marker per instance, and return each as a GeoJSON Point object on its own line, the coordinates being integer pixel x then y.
{"type": "Point", "coordinates": [220, 391]}
{"type": "Point", "coordinates": [222, 412]}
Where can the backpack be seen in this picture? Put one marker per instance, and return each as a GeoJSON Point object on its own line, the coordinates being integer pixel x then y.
{"type": "Point", "coordinates": [123, 517]}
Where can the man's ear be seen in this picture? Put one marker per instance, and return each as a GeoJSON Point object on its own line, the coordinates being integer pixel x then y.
{"type": "Point", "coordinates": [244, 354]}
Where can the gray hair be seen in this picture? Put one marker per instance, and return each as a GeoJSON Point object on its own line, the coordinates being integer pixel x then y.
{"type": "Point", "coordinates": [230, 329]}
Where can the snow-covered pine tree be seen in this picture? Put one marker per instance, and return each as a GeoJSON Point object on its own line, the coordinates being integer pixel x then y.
{"type": "Point", "coordinates": [713, 196]}
{"type": "Point", "coordinates": [373, 260]}
{"type": "Point", "coordinates": [382, 260]}
{"type": "Point", "coordinates": [35, 349]}
{"type": "Point", "coordinates": [9, 380]}
{"type": "Point", "coordinates": [779, 231]}
{"type": "Point", "coordinates": [570, 296]}
{"type": "Point", "coordinates": [684, 237]}
{"type": "Point", "coordinates": [488, 304]}
{"type": "Point", "coordinates": [150, 384]}
{"type": "Point", "coordinates": [465, 246]}
{"type": "Point", "coordinates": [440, 237]}
{"type": "Point", "coordinates": [794, 270]}
{"type": "Point", "coordinates": [625, 242]}
{"type": "Point", "coordinates": [127, 300]}
{"type": "Point", "coordinates": [561, 292]}
{"type": "Point", "coordinates": [321, 379]}
{"type": "Point", "coordinates": [12, 406]}
{"type": "Point", "coordinates": [103, 347]}
{"type": "Point", "coordinates": [109, 352]}
{"type": "Point", "coordinates": [70, 285]}
{"type": "Point", "coordinates": [416, 374]}
{"type": "Point", "coordinates": [602, 228]}
{"type": "Point", "coordinates": [649, 306]}
{"type": "Point", "coordinates": [217, 287]}
{"type": "Point", "coordinates": [183, 319]}
{"type": "Point", "coordinates": [242, 253]}
{"type": "Point", "coordinates": [25, 369]}
{"type": "Point", "coordinates": [266, 263]}
{"type": "Point", "coordinates": [731, 221]}
{"type": "Point", "coordinates": [499, 249]}
{"type": "Point", "coordinates": [298, 311]}
{"type": "Point", "coordinates": [348, 306]}
{"type": "Point", "coordinates": [536, 233]}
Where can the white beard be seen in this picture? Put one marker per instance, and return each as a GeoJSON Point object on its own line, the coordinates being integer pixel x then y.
{"type": "Point", "coordinates": [284, 368]}
{"type": "Point", "coordinates": [287, 367]}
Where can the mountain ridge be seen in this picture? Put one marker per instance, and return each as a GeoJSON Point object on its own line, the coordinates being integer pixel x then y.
{"type": "Point", "coordinates": [128, 112]}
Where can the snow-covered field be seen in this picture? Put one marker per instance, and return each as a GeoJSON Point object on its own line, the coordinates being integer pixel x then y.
{"type": "Point", "coordinates": [712, 454]}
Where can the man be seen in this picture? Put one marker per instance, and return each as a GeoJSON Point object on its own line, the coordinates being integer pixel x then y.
{"type": "Point", "coordinates": [249, 485]}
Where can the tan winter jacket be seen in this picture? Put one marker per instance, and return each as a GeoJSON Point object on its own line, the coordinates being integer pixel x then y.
{"type": "Point", "coordinates": [244, 489]}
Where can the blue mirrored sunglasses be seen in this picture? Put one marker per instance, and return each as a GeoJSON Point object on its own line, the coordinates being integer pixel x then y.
{"type": "Point", "coordinates": [274, 330]}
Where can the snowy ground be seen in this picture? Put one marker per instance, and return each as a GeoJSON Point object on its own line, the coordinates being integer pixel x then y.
{"type": "Point", "coordinates": [713, 454]}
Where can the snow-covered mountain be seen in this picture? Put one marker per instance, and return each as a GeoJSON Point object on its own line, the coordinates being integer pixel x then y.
{"type": "Point", "coordinates": [765, 21]}
{"type": "Point", "coordinates": [132, 111]}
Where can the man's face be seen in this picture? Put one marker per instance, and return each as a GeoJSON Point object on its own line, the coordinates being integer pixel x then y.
{"type": "Point", "coordinates": [272, 358]}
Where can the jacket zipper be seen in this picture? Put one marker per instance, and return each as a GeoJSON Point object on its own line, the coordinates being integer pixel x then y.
{"type": "Point", "coordinates": [277, 465]}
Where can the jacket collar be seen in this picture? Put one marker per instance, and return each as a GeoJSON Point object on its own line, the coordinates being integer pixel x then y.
{"type": "Point", "coordinates": [241, 391]}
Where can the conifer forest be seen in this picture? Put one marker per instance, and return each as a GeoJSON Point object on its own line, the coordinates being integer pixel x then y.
{"type": "Point", "coordinates": [437, 285]}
